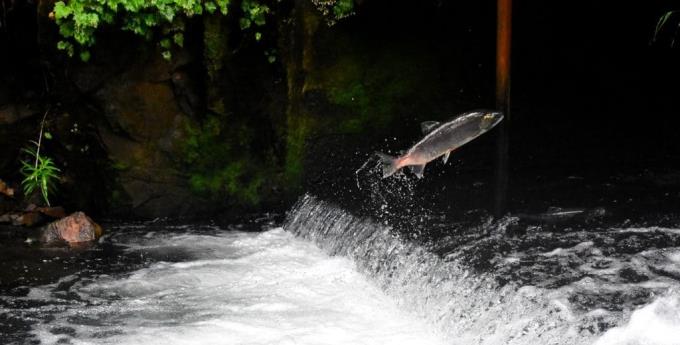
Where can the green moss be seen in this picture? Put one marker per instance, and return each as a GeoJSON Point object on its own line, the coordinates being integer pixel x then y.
{"type": "Point", "coordinates": [219, 163]}
{"type": "Point", "coordinates": [300, 127]}
{"type": "Point", "coordinates": [369, 91]}
{"type": "Point", "coordinates": [120, 165]}
{"type": "Point", "coordinates": [214, 45]}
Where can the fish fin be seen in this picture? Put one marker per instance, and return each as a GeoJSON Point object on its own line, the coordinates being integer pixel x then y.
{"type": "Point", "coordinates": [418, 170]}
{"type": "Point", "coordinates": [429, 126]}
{"type": "Point", "coordinates": [445, 157]}
{"type": "Point", "coordinates": [389, 164]}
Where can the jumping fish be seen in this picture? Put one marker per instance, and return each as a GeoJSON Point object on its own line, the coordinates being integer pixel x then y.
{"type": "Point", "coordinates": [440, 140]}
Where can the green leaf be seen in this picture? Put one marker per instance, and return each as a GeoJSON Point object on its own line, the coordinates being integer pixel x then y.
{"type": "Point", "coordinates": [258, 36]}
{"type": "Point", "coordinates": [167, 55]}
{"type": "Point", "coordinates": [244, 23]}
{"type": "Point", "coordinates": [165, 43]}
{"type": "Point", "coordinates": [179, 39]}
{"type": "Point", "coordinates": [61, 11]}
{"type": "Point", "coordinates": [47, 135]}
{"type": "Point", "coordinates": [224, 6]}
{"type": "Point", "coordinates": [210, 7]}
{"type": "Point", "coordinates": [41, 175]}
{"type": "Point", "coordinates": [662, 22]}
{"type": "Point", "coordinates": [85, 56]}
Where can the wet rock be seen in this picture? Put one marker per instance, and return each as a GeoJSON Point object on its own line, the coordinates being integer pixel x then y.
{"type": "Point", "coordinates": [57, 212]}
{"type": "Point", "coordinates": [12, 113]}
{"type": "Point", "coordinates": [75, 228]}
{"type": "Point", "coordinates": [632, 276]}
{"type": "Point", "coordinates": [28, 219]}
{"type": "Point", "coordinates": [5, 189]}
{"type": "Point", "coordinates": [144, 137]}
{"type": "Point", "coordinates": [5, 218]}
{"type": "Point", "coordinates": [631, 245]}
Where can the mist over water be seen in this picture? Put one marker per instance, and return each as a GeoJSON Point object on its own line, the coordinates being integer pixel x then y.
{"type": "Point", "coordinates": [225, 287]}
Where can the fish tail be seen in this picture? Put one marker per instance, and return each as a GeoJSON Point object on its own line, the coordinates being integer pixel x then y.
{"type": "Point", "coordinates": [389, 164]}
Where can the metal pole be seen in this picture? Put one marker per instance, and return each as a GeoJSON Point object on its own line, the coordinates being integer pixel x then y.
{"type": "Point", "coordinates": [503, 40]}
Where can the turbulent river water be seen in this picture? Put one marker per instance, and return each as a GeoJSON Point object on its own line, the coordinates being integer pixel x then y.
{"type": "Point", "coordinates": [328, 277]}
{"type": "Point", "coordinates": [213, 286]}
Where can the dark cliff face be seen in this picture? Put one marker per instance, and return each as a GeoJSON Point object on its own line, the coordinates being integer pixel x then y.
{"type": "Point", "coordinates": [219, 126]}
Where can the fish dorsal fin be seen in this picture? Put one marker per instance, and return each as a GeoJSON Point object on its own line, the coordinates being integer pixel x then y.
{"type": "Point", "coordinates": [445, 157]}
{"type": "Point", "coordinates": [418, 170]}
{"type": "Point", "coordinates": [429, 126]}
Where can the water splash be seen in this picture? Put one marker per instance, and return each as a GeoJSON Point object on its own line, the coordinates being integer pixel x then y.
{"type": "Point", "coordinates": [574, 304]}
{"type": "Point", "coordinates": [222, 287]}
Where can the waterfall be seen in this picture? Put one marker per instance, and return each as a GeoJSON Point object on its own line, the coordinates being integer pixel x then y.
{"type": "Point", "coordinates": [475, 307]}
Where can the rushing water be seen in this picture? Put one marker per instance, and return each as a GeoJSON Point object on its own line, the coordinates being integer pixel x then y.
{"type": "Point", "coordinates": [612, 286]}
{"type": "Point", "coordinates": [330, 277]}
{"type": "Point", "coordinates": [219, 287]}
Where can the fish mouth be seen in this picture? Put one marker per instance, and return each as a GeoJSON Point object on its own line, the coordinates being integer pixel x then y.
{"type": "Point", "coordinates": [490, 120]}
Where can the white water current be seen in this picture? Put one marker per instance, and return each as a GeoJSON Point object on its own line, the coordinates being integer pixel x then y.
{"type": "Point", "coordinates": [219, 286]}
{"type": "Point", "coordinates": [234, 288]}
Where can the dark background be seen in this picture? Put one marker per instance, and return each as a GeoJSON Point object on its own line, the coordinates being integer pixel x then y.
{"type": "Point", "coordinates": [588, 82]}
{"type": "Point", "coordinates": [592, 94]}
{"type": "Point", "coordinates": [594, 118]}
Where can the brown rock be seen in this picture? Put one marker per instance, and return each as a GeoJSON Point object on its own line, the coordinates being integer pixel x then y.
{"type": "Point", "coordinates": [29, 219]}
{"type": "Point", "coordinates": [57, 212]}
{"type": "Point", "coordinates": [22, 219]}
{"type": "Point", "coordinates": [12, 113]}
{"type": "Point", "coordinates": [5, 189]}
{"type": "Point", "coordinates": [75, 228]}
{"type": "Point", "coordinates": [145, 133]}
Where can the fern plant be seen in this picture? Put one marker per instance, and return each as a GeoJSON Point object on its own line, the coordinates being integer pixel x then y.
{"type": "Point", "coordinates": [39, 172]}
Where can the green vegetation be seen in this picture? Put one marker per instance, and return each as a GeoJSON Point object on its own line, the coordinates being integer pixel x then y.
{"type": "Point", "coordinates": [371, 91]}
{"type": "Point", "coordinates": [162, 20]}
{"type": "Point", "coordinates": [334, 10]}
{"type": "Point", "coordinates": [214, 46]}
{"type": "Point", "coordinates": [219, 163]}
{"type": "Point", "coordinates": [299, 129]}
{"type": "Point", "coordinates": [40, 174]}
{"type": "Point", "coordinates": [39, 171]}
{"type": "Point", "coordinates": [662, 23]}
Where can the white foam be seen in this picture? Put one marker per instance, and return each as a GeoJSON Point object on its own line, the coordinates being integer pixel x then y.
{"type": "Point", "coordinates": [655, 324]}
{"type": "Point", "coordinates": [648, 230]}
{"type": "Point", "coordinates": [242, 288]}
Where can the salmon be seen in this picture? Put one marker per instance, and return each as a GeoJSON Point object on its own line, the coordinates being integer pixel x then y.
{"type": "Point", "coordinates": [440, 140]}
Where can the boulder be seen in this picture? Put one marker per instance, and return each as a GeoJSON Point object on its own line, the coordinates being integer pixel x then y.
{"type": "Point", "coordinates": [5, 189]}
{"type": "Point", "coordinates": [144, 136]}
{"type": "Point", "coordinates": [76, 228]}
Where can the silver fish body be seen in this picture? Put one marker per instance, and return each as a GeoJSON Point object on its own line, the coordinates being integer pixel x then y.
{"type": "Point", "coordinates": [440, 140]}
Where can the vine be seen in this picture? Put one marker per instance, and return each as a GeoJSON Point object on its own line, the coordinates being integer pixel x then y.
{"type": "Point", "coordinates": [165, 20]}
